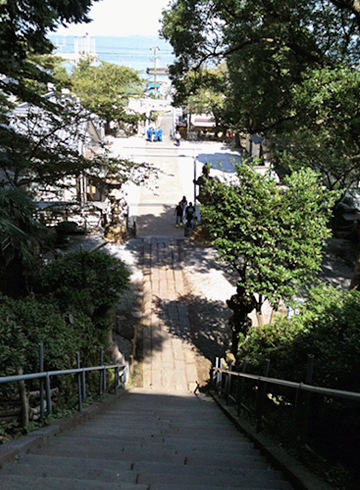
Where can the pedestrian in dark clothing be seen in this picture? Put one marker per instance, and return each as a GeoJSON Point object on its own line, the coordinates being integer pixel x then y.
{"type": "Point", "coordinates": [189, 215]}
{"type": "Point", "coordinates": [179, 215]}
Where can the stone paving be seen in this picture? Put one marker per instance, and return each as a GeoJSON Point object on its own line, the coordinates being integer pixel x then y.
{"type": "Point", "coordinates": [169, 361]}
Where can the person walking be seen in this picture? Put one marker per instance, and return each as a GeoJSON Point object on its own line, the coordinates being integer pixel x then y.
{"type": "Point", "coordinates": [184, 206]}
{"type": "Point", "coordinates": [189, 215]}
{"type": "Point", "coordinates": [179, 215]}
{"type": "Point", "coordinates": [160, 131]}
{"type": "Point", "coordinates": [177, 138]}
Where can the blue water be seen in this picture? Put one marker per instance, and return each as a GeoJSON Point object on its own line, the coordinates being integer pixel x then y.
{"type": "Point", "coordinates": [132, 51]}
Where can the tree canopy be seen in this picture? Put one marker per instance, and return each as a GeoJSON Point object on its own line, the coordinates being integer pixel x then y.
{"type": "Point", "coordinates": [292, 72]}
{"type": "Point", "coordinates": [105, 89]}
{"type": "Point", "coordinates": [23, 147]}
{"type": "Point", "coordinates": [272, 235]}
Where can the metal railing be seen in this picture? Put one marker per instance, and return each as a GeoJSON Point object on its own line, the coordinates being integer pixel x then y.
{"type": "Point", "coordinates": [223, 381]}
{"type": "Point", "coordinates": [120, 379]}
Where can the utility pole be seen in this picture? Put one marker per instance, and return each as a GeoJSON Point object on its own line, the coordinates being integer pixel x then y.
{"type": "Point", "coordinates": [155, 50]}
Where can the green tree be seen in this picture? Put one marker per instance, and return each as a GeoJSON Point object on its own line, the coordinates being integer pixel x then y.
{"type": "Point", "coordinates": [272, 236]}
{"type": "Point", "coordinates": [30, 143]}
{"type": "Point", "coordinates": [203, 91]}
{"type": "Point", "coordinates": [288, 64]}
{"type": "Point", "coordinates": [105, 90]}
{"type": "Point", "coordinates": [21, 235]}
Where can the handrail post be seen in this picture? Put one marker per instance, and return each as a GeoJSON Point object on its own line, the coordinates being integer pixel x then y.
{"type": "Point", "coordinates": [79, 379]}
{"type": "Point", "coordinates": [48, 395]}
{"type": "Point", "coordinates": [260, 400]}
{"type": "Point", "coordinates": [115, 375]}
{"type": "Point", "coordinates": [215, 379]}
{"type": "Point", "coordinates": [101, 372]}
{"type": "Point", "coordinates": [228, 383]}
{"type": "Point", "coordinates": [218, 374]}
{"type": "Point", "coordinates": [309, 378]}
{"type": "Point", "coordinates": [104, 379]}
{"type": "Point", "coordinates": [41, 370]}
{"type": "Point", "coordinates": [83, 385]}
{"type": "Point", "coordinates": [240, 388]}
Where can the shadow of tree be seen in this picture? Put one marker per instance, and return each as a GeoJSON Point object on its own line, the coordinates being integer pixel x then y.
{"type": "Point", "coordinates": [159, 221]}
{"type": "Point", "coordinates": [197, 321]}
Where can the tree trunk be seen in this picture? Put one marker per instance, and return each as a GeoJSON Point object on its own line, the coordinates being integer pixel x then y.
{"type": "Point", "coordinates": [260, 318]}
{"type": "Point", "coordinates": [259, 315]}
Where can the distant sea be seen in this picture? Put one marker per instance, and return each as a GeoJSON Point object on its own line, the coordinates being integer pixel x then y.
{"type": "Point", "coordinates": [133, 51]}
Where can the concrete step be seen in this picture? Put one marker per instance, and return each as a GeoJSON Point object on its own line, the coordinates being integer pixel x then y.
{"type": "Point", "coordinates": [240, 486]}
{"type": "Point", "coordinates": [157, 442]}
{"type": "Point", "coordinates": [95, 463]}
{"type": "Point", "coordinates": [148, 453]}
{"type": "Point", "coordinates": [141, 422]}
{"type": "Point", "coordinates": [75, 472]}
{"type": "Point", "coordinates": [17, 482]}
{"type": "Point", "coordinates": [146, 441]}
{"type": "Point", "coordinates": [252, 479]}
{"type": "Point", "coordinates": [157, 433]}
{"type": "Point", "coordinates": [196, 470]}
{"type": "Point", "coordinates": [193, 460]}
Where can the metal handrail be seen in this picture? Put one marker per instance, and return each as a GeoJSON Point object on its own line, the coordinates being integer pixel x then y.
{"type": "Point", "coordinates": [351, 395]}
{"type": "Point", "coordinates": [44, 377]}
{"type": "Point", "coordinates": [45, 374]}
{"type": "Point", "coordinates": [302, 400]}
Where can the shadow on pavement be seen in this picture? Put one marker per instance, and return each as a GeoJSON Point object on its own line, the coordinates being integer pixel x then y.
{"type": "Point", "coordinates": [197, 321]}
{"type": "Point", "coordinates": [158, 221]}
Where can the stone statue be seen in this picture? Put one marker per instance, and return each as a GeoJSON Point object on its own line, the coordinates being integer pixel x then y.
{"type": "Point", "coordinates": [201, 181]}
{"type": "Point", "coordinates": [242, 304]}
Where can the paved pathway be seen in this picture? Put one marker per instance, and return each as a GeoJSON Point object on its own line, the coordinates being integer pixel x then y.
{"type": "Point", "coordinates": [169, 361]}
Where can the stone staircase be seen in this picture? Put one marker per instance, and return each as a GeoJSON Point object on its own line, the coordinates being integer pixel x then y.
{"type": "Point", "coordinates": [146, 440]}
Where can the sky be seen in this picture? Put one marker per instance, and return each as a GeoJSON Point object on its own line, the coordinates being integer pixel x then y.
{"type": "Point", "coordinates": [120, 18]}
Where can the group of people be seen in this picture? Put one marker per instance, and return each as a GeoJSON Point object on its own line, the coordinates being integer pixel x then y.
{"type": "Point", "coordinates": [184, 213]}
{"type": "Point", "coordinates": [154, 134]}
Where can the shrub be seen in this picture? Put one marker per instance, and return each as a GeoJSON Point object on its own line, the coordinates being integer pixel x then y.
{"type": "Point", "coordinates": [90, 282]}
{"type": "Point", "coordinates": [328, 327]}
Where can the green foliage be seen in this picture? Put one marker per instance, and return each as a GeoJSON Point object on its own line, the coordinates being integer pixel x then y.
{"type": "Point", "coordinates": [273, 236]}
{"type": "Point", "coordinates": [21, 235]}
{"type": "Point", "coordinates": [328, 327]}
{"type": "Point", "coordinates": [83, 281]}
{"type": "Point", "coordinates": [105, 89]}
{"type": "Point", "coordinates": [292, 74]}
{"type": "Point", "coordinates": [23, 34]}
{"type": "Point", "coordinates": [24, 323]}
{"type": "Point", "coordinates": [203, 91]}
{"type": "Point", "coordinates": [69, 314]}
